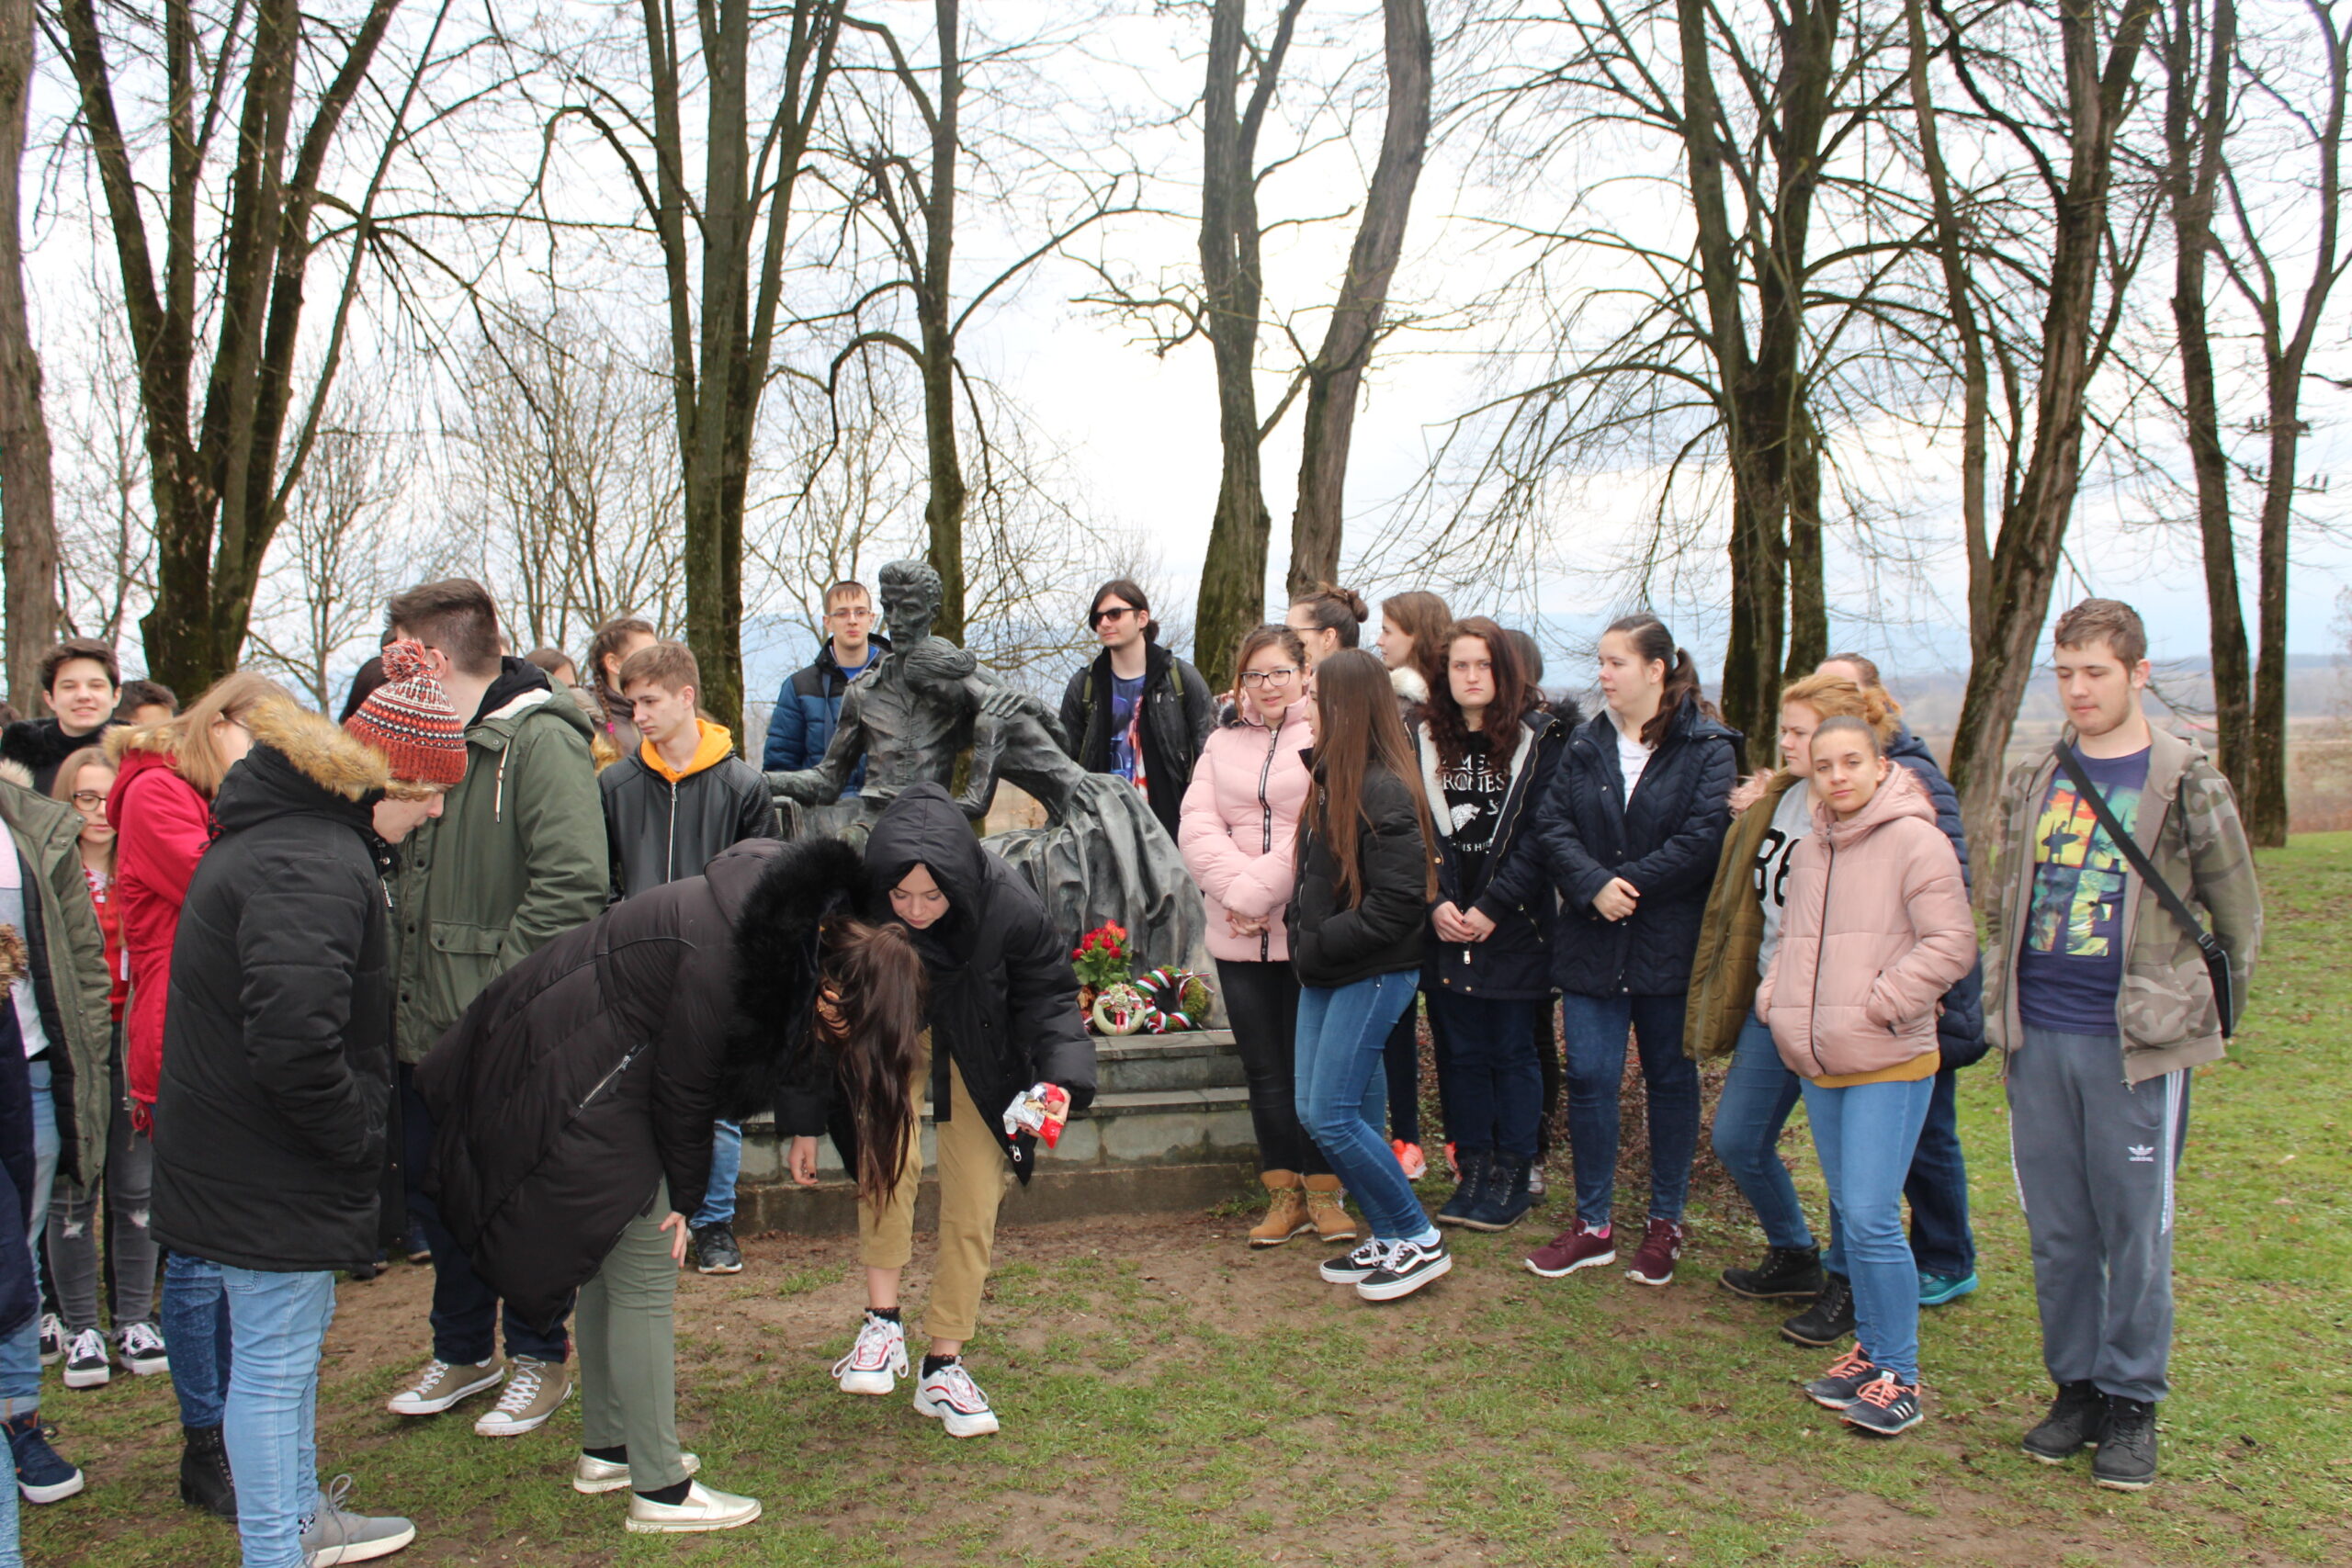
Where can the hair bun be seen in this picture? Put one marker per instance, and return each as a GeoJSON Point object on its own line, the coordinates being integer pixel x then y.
{"type": "Point", "coordinates": [402, 659]}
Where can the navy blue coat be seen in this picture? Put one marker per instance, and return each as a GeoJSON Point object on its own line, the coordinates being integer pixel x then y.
{"type": "Point", "coordinates": [807, 711]}
{"type": "Point", "coordinates": [1959, 1028]}
{"type": "Point", "coordinates": [1510, 889]}
{"type": "Point", "coordinates": [1665, 841]}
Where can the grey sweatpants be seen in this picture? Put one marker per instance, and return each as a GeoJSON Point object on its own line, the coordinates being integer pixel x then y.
{"type": "Point", "coordinates": [2094, 1158]}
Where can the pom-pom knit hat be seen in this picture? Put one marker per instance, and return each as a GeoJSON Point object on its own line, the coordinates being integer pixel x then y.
{"type": "Point", "coordinates": [408, 719]}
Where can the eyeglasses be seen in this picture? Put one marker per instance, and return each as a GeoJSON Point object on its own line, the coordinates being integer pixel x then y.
{"type": "Point", "coordinates": [1112, 613]}
{"type": "Point", "coordinates": [88, 799]}
{"type": "Point", "coordinates": [1281, 676]}
{"type": "Point", "coordinates": [850, 612]}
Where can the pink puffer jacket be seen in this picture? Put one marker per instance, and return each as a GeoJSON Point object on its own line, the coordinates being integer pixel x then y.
{"type": "Point", "coordinates": [1240, 830]}
{"type": "Point", "coordinates": [1876, 929]}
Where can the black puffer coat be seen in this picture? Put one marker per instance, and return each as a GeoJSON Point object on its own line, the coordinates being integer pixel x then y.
{"type": "Point", "coordinates": [274, 1142]}
{"type": "Point", "coordinates": [1333, 944]}
{"type": "Point", "coordinates": [590, 1072]}
{"type": "Point", "coordinates": [1003, 996]}
{"type": "Point", "coordinates": [1665, 841]}
{"type": "Point", "coordinates": [1511, 888]}
{"type": "Point", "coordinates": [1960, 1021]}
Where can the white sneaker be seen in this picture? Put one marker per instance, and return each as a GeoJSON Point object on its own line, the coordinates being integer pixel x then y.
{"type": "Point", "coordinates": [142, 1350]}
{"type": "Point", "coordinates": [52, 1339]}
{"type": "Point", "coordinates": [950, 1396]}
{"type": "Point", "coordinates": [441, 1385]}
{"type": "Point", "coordinates": [593, 1475]}
{"type": "Point", "coordinates": [336, 1535]}
{"type": "Point", "coordinates": [86, 1362]}
{"type": "Point", "coordinates": [704, 1509]}
{"type": "Point", "coordinates": [878, 1359]}
{"type": "Point", "coordinates": [533, 1390]}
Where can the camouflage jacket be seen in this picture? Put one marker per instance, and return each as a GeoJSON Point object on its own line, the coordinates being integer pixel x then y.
{"type": "Point", "coordinates": [2189, 826]}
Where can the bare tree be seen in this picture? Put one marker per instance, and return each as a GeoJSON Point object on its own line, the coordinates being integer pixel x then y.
{"type": "Point", "coordinates": [722, 242]}
{"type": "Point", "coordinates": [2287, 325]}
{"type": "Point", "coordinates": [28, 552]}
{"type": "Point", "coordinates": [107, 543]}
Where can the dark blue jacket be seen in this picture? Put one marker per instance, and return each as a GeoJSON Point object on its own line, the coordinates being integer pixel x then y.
{"type": "Point", "coordinates": [1959, 1028]}
{"type": "Point", "coordinates": [1510, 889]}
{"type": "Point", "coordinates": [1665, 841]}
{"type": "Point", "coordinates": [808, 710]}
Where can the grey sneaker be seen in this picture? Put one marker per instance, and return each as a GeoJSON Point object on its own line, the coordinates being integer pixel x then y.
{"type": "Point", "coordinates": [534, 1389]}
{"type": "Point", "coordinates": [337, 1535]}
{"type": "Point", "coordinates": [442, 1384]}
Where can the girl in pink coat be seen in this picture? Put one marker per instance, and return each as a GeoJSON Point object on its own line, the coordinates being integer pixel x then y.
{"type": "Point", "coordinates": [1238, 832]}
{"type": "Point", "coordinates": [1875, 929]}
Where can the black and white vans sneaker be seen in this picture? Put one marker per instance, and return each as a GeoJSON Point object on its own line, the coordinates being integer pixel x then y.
{"type": "Point", "coordinates": [1353, 1268]}
{"type": "Point", "coordinates": [1410, 1266]}
{"type": "Point", "coordinates": [87, 1365]}
{"type": "Point", "coordinates": [52, 1339]}
{"type": "Point", "coordinates": [142, 1350]}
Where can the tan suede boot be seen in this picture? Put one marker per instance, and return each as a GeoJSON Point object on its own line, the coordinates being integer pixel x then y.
{"type": "Point", "coordinates": [1324, 1207]}
{"type": "Point", "coordinates": [1287, 1215]}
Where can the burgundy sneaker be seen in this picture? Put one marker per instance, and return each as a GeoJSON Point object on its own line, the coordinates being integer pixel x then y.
{"type": "Point", "coordinates": [1579, 1246]}
{"type": "Point", "coordinates": [1661, 1247]}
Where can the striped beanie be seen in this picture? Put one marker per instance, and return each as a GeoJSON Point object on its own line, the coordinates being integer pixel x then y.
{"type": "Point", "coordinates": [408, 719]}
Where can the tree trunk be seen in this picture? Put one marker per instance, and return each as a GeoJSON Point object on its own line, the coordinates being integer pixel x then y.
{"type": "Point", "coordinates": [944, 510]}
{"type": "Point", "coordinates": [1335, 375]}
{"type": "Point", "coordinates": [1808, 600]}
{"type": "Point", "coordinates": [27, 511]}
{"type": "Point", "coordinates": [2266, 795]}
{"type": "Point", "coordinates": [1233, 571]}
{"type": "Point", "coordinates": [2025, 560]}
{"type": "Point", "coordinates": [2196, 119]}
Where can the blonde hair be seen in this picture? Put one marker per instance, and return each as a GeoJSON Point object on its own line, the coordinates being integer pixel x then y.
{"type": "Point", "coordinates": [1833, 697]}
{"type": "Point", "coordinates": [187, 739]}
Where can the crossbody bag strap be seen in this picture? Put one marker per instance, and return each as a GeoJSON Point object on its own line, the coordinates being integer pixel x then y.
{"type": "Point", "coordinates": [2217, 958]}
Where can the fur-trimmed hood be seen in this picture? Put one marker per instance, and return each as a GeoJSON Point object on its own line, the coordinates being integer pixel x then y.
{"type": "Point", "coordinates": [16, 773]}
{"type": "Point", "coordinates": [301, 763]}
{"type": "Point", "coordinates": [769, 1056]}
{"type": "Point", "coordinates": [320, 749]}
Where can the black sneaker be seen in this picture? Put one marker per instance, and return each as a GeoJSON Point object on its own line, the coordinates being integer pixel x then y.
{"type": "Point", "coordinates": [2126, 1461]}
{"type": "Point", "coordinates": [2075, 1419]}
{"type": "Point", "coordinates": [714, 1249]}
{"type": "Point", "coordinates": [1842, 1383]}
{"type": "Point", "coordinates": [417, 1248]}
{"type": "Point", "coordinates": [1786, 1272]}
{"type": "Point", "coordinates": [1885, 1407]}
{"type": "Point", "coordinates": [1353, 1268]}
{"type": "Point", "coordinates": [1410, 1266]}
{"type": "Point", "coordinates": [87, 1365]}
{"type": "Point", "coordinates": [1829, 1319]}
{"type": "Point", "coordinates": [41, 1475]}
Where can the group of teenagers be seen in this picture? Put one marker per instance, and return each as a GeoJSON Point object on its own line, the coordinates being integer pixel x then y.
{"type": "Point", "coordinates": [492, 971]}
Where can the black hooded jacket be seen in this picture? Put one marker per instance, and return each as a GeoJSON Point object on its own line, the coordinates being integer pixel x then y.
{"type": "Point", "coordinates": [1178, 713]}
{"type": "Point", "coordinates": [590, 1073]}
{"type": "Point", "coordinates": [1664, 841]}
{"type": "Point", "coordinates": [274, 1137]}
{"type": "Point", "coordinates": [1003, 996]}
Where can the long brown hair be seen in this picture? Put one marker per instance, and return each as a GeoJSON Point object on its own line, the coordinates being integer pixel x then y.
{"type": "Point", "coordinates": [186, 738]}
{"type": "Point", "coordinates": [871, 988]}
{"type": "Point", "coordinates": [1423, 616]}
{"type": "Point", "coordinates": [1653, 643]}
{"type": "Point", "coordinates": [1357, 724]}
{"type": "Point", "coordinates": [69, 774]}
{"type": "Point", "coordinates": [1514, 695]}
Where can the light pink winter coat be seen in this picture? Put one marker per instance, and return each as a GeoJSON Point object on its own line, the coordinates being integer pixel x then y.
{"type": "Point", "coordinates": [1240, 827]}
{"type": "Point", "coordinates": [1875, 929]}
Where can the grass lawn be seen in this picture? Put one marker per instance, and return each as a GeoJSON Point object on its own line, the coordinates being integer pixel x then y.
{"type": "Point", "coordinates": [1171, 1398]}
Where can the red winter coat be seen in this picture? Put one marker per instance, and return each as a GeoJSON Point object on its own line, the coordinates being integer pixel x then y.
{"type": "Point", "coordinates": [1239, 829]}
{"type": "Point", "coordinates": [162, 827]}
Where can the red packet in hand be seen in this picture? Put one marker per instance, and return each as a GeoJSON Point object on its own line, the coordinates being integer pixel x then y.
{"type": "Point", "coordinates": [1044, 1111]}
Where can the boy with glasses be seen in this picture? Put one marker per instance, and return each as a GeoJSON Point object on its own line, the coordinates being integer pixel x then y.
{"type": "Point", "coordinates": [1136, 710]}
{"type": "Point", "coordinates": [808, 708]}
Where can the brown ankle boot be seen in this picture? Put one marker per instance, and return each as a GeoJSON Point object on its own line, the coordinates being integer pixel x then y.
{"type": "Point", "coordinates": [1287, 1215]}
{"type": "Point", "coordinates": [1324, 1207]}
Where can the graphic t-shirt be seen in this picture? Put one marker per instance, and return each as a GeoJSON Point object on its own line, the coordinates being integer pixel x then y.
{"type": "Point", "coordinates": [1769, 876]}
{"type": "Point", "coordinates": [1474, 789]}
{"type": "Point", "coordinates": [2070, 963]}
{"type": "Point", "coordinates": [1127, 742]}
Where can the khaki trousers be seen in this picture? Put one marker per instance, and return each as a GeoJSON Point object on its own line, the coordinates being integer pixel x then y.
{"type": "Point", "coordinates": [628, 1352]}
{"type": "Point", "coordinates": [973, 1172]}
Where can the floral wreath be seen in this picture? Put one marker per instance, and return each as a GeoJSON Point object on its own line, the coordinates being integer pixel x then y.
{"type": "Point", "coordinates": [1121, 1009]}
{"type": "Point", "coordinates": [1179, 999]}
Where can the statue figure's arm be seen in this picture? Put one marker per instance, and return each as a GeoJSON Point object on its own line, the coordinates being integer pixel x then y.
{"type": "Point", "coordinates": [822, 785]}
{"type": "Point", "coordinates": [987, 752]}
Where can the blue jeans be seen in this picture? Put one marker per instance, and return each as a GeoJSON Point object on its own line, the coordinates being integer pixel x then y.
{"type": "Point", "coordinates": [1593, 1030]}
{"type": "Point", "coordinates": [718, 1206]}
{"type": "Point", "coordinates": [465, 1309]}
{"type": "Point", "coordinates": [279, 1323]}
{"type": "Point", "coordinates": [1343, 1035]}
{"type": "Point", "coordinates": [20, 1352]}
{"type": "Point", "coordinates": [1493, 1084]}
{"type": "Point", "coordinates": [1865, 1136]}
{"type": "Point", "coordinates": [1759, 1094]}
{"type": "Point", "coordinates": [195, 1320]}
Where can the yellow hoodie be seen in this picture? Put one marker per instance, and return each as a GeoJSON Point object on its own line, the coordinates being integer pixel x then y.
{"type": "Point", "coordinates": [717, 744]}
